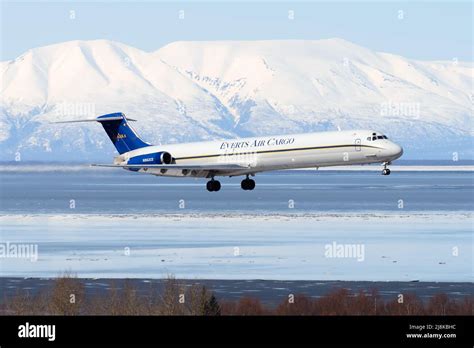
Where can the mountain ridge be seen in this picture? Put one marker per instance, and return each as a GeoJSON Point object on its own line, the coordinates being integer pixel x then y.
{"type": "Point", "coordinates": [188, 91]}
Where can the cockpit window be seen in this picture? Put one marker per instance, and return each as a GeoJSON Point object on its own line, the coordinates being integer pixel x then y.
{"type": "Point", "coordinates": [375, 137]}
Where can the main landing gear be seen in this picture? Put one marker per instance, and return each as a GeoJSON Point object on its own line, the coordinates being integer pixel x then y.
{"type": "Point", "coordinates": [213, 185]}
{"type": "Point", "coordinates": [385, 170]}
{"type": "Point", "coordinates": [247, 184]}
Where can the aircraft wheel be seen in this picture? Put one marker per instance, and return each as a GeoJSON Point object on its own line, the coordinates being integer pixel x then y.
{"type": "Point", "coordinates": [251, 184]}
{"type": "Point", "coordinates": [247, 184]}
{"type": "Point", "coordinates": [210, 186]}
{"type": "Point", "coordinates": [386, 171]}
{"type": "Point", "coordinates": [213, 185]}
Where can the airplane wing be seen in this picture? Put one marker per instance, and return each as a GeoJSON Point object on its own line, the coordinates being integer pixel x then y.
{"type": "Point", "coordinates": [177, 166]}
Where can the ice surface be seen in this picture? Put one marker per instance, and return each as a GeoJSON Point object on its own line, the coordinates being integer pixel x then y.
{"type": "Point", "coordinates": [413, 246]}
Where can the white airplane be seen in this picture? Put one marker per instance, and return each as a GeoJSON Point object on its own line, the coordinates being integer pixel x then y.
{"type": "Point", "coordinates": [245, 156]}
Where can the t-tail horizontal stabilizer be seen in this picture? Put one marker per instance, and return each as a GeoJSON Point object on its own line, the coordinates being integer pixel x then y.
{"type": "Point", "coordinates": [122, 135]}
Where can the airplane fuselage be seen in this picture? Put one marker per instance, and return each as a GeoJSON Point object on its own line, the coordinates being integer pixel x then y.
{"type": "Point", "coordinates": [266, 153]}
{"type": "Point", "coordinates": [245, 156]}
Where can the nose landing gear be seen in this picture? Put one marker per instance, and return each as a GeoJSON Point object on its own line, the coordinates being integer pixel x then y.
{"type": "Point", "coordinates": [213, 185]}
{"type": "Point", "coordinates": [247, 184]}
{"type": "Point", "coordinates": [385, 170]}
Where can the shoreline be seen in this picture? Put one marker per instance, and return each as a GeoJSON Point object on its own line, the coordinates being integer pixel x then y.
{"type": "Point", "coordinates": [268, 291]}
{"type": "Point", "coordinates": [238, 215]}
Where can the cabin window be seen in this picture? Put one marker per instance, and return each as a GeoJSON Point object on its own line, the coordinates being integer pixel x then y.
{"type": "Point", "coordinates": [369, 138]}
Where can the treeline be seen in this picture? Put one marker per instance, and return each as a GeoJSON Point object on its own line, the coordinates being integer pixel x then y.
{"type": "Point", "coordinates": [67, 297]}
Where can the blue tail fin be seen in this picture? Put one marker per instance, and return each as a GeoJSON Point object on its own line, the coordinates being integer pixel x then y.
{"type": "Point", "coordinates": [120, 132]}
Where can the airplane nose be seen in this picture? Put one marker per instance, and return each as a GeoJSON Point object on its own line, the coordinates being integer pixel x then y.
{"type": "Point", "coordinates": [395, 151]}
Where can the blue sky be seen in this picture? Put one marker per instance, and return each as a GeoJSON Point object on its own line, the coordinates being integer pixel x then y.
{"type": "Point", "coordinates": [428, 30]}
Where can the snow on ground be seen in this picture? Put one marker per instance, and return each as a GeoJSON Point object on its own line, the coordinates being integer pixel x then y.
{"type": "Point", "coordinates": [226, 89]}
{"type": "Point", "coordinates": [404, 247]}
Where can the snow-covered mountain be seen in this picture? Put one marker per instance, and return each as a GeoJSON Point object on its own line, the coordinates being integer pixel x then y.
{"type": "Point", "coordinates": [188, 91]}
